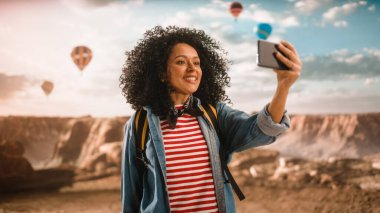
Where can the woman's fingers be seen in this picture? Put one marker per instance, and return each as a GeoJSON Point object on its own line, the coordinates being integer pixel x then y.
{"type": "Point", "coordinates": [288, 55]}
{"type": "Point", "coordinates": [285, 60]}
{"type": "Point", "coordinates": [288, 52]}
{"type": "Point", "coordinates": [289, 46]}
{"type": "Point", "coordinates": [292, 61]}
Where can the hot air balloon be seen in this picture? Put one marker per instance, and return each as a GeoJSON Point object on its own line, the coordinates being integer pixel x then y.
{"type": "Point", "coordinates": [263, 30]}
{"type": "Point", "coordinates": [47, 87]}
{"type": "Point", "coordinates": [235, 9]}
{"type": "Point", "coordinates": [81, 56]}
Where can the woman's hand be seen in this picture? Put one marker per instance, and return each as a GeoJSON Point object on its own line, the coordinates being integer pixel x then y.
{"type": "Point", "coordinates": [286, 78]}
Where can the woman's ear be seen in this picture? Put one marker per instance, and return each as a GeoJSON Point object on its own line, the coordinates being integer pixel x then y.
{"type": "Point", "coordinates": [163, 77]}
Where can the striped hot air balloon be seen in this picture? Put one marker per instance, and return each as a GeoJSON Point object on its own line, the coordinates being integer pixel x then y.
{"type": "Point", "coordinates": [263, 30]}
{"type": "Point", "coordinates": [81, 56]}
{"type": "Point", "coordinates": [47, 87]}
{"type": "Point", "coordinates": [235, 9]}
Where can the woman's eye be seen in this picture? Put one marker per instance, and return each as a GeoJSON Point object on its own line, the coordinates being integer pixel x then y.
{"type": "Point", "coordinates": [181, 62]}
{"type": "Point", "coordinates": [197, 63]}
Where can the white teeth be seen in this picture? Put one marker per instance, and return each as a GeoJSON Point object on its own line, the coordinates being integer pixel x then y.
{"type": "Point", "coordinates": [191, 79]}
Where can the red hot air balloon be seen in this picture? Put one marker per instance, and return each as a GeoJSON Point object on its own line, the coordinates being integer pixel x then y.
{"type": "Point", "coordinates": [235, 9]}
{"type": "Point", "coordinates": [47, 87]}
{"type": "Point", "coordinates": [81, 56]}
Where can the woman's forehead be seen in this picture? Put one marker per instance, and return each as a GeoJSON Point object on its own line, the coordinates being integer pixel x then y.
{"type": "Point", "coordinates": [183, 49]}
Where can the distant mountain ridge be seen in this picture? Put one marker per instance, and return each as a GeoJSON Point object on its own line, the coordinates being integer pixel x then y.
{"type": "Point", "coordinates": [50, 141]}
{"type": "Point", "coordinates": [325, 136]}
{"type": "Point", "coordinates": [79, 141]}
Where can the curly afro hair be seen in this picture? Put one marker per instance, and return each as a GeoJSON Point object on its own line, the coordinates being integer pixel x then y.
{"type": "Point", "coordinates": [146, 64]}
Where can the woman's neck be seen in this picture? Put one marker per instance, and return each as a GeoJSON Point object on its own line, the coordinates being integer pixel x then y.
{"type": "Point", "coordinates": [179, 99]}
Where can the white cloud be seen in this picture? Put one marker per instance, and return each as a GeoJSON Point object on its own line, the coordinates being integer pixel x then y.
{"type": "Point", "coordinates": [100, 3]}
{"type": "Point", "coordinates": [290, 21]}
{"type": "Point", "coordinates": [363, 3]}
{"type": "Point", "coordinates": [283, 20]}
{"type": "Point", "coordinates": [137, 2]}
{"type": "Point", "coordinates": [307, 7]}
{"type": "Point", "coordinates": [339, 24]}
{"type": "Point", "coordinates": [342, 65]}
{"type": "Point", "coordinates": [371, 81]}
{"type": "Point", "coordinates": [373, 52]}
{"type": "Point", "coordinates": [259, 15]}
{"type": "Point", "coordinates": [337, 100]}
{"type": "Point", "coordinates": [354, 59]}
{"type": "Point", "coordinates": [12, 84]}
{"type": "Point", "coordinates": [181, 19]}
{"type": "Point", "coordinates": [212, 12]}
{"type": "Point", "coordinates": [219, 26]}
{"type": "Point", "coordinates": [372, 8]}
{"type": "Point", "coordinates": [341, 52]}
{"type": "Point", "coordinates": [253, 6]}
{"type": "Point", "coordinates": [345, 56]}
{"type": "Point", "coordinates": [253, 13]}
{"type": "Point", "coordinates": [221, 3]}
{"type": "Point", "coordinates": [335, 14]}
{"type": "Point", "coordinates": [310, 58]}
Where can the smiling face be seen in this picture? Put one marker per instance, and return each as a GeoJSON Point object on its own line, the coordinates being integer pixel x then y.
{"type": "Point", "coordinates": [184, 72]}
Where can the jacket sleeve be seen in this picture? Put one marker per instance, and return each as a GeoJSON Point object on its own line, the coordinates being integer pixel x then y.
{"type": "Point", "coordinates": [241, 131]}
{"type": "Point", "coordinates": [129, 199]}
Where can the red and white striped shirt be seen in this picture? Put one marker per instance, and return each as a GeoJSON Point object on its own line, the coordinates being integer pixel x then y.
{"type": "Point", "coordinates": [188, 169]}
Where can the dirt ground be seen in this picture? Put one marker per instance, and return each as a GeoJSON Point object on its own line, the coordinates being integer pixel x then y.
{"type": "Point", "coordinates": [265, 200]}
{"type": "Point", "coordinates": [99, 196]}
{"type": "Point", "coordinates": [103, 196]}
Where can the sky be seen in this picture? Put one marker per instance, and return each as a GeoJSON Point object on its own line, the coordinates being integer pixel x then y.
{"type": "Point", "coordinates": [337, 42]}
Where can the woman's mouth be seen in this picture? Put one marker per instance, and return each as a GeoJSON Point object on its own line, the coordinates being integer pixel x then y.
{"type": "Point", "coordinates": [191, 79]}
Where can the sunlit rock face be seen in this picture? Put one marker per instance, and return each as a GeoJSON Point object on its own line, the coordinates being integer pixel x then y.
{"type": "Point", "coordinates": [71, 142]}
{"type": "Point", "coordinates": [326, 136]}
{"type": "Point", "coordinates": [12, 162]}
{"type": "Point", "coordinates": [82, 141]}
{"type": "Point", "coordinates": [47, 153]}
{"type": "Point", "coordinates": [91, 147]}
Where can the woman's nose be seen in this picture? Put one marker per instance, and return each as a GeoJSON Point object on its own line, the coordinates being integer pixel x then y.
{"type": "Point", "coordinates": [190, 67]}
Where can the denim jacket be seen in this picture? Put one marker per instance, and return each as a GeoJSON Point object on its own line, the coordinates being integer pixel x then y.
{"type": "Point", "coordinates": [239, 129]}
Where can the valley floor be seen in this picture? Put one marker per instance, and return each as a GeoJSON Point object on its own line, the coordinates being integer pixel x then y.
{"type": "Point", "coordinates": [103, 196]}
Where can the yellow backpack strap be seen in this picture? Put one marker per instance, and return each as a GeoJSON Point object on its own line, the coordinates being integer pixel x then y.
{"type": "Point", "coordinates": [211, 115]}
{"type": "Point", "coordinates": [141, 134]}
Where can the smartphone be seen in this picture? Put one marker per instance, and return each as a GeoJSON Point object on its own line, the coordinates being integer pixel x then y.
{"type": "Point", "coordinates": [265, 55]}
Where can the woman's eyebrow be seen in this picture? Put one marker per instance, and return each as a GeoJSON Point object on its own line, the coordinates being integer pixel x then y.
{"type": "Point", "coordinates": [185, 56]}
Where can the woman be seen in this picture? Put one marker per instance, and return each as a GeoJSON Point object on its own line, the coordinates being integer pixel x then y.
{"type": "Point", "coordinates": [170, 74]}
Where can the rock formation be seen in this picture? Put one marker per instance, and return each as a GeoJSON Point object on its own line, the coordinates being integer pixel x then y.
{"type": "Point", "coordinates": [325, 136]}
{"type": "Point", "coordinates": [91, 148]}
